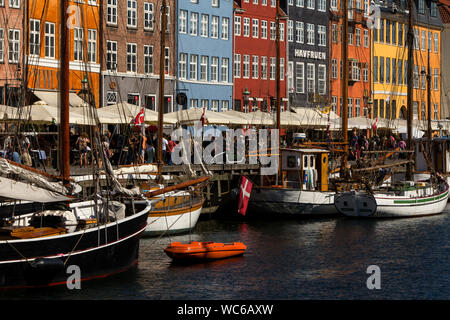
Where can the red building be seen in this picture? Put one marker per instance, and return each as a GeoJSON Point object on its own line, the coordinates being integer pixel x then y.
{"type": "Point", "coordinates": [254, 63]}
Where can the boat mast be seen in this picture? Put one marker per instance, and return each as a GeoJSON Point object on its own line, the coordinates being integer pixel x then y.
{"type": "Point", "coordinates": [430, 134]}
{"type": "Point", "coordinates": [278, 104]}
{"type": "Point", "coordinates": [64, 94]}
{"type": "Point", "coordinates": [410, 92]}
{"type": "Point", "coordinates": [161, 88]}
{"type": "Point", "coordinates": [344, 114]}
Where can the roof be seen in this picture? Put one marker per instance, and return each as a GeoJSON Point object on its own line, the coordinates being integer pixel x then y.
{"type": "Point", "coordinates": [444, 9]}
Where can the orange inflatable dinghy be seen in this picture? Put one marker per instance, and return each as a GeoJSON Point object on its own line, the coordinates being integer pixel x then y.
{"type": "Point", "coordinates": [204, 250]}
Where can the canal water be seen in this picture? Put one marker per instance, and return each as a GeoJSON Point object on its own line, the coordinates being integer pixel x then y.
{"type": "Point", "coordinates": [289, 259]}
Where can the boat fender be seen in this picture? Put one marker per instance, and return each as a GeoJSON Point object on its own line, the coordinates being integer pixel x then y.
{"type": "Point", "coordinates": [48, 264]}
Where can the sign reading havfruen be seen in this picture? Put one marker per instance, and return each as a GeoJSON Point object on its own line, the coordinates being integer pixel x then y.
{"type": "Point", "coordinates": [299, 53]}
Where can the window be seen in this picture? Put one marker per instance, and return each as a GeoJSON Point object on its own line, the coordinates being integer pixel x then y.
{"type": "Point", "coordinates": [111, 55]}
{"type": "Point", "coordinates": [272, 68]}
{"type": "Point", "coordinates": [166, 60]}
{"type": "Point", "coordinates": [400, 34]}
{"type": "Point", "coordinates": [375, 68]}
{"type": "Point", "coordinates": [381, 69]}
{"type": "Point", "coordinates": [436, 111]}
{"type": "Point", "coordinates": [405, 69]}
{"type": "Point", "coordinates": [334, 103]}
{"type": "Point", "coordinates": [350, 37]}
{"type": "Point", "coordinates": [381, 31]}
{"type": "Point", "coordinates": [215, 105]}
{"type": "Point", "coordinates": [436, 79]}
{"type": "Point", "coordinates": [131, 13]}
{"type": "Point", "coordinates": [149, 14]}
{"type": "Point", "coordinates": [281, 68]}
{"type": "Point", "coordinates": [394, 32]}
{"type": "Point", "coordinates": [193, 26]}
{"type": "Point", "coordinates": [92, 45]}
{"type": "Point", "coordinates": [321, 5]}
{"type": "Point", "coordinates": [263, 29]}
{"type": "Point", "coordinates": [215, 3]}
{"type": "Point", "coordinates": [255, 67]}
{"type": "Point", "coordinates": [310, 33]}
{"type": "Point", "coordinates": [2, 45]}
{"type": "Point", "coordinates": [273, 31]}
{"type": "Point", "coordinates": [203, 68]}
{"type": "Point", "coordinates": [148, 60]}
{"type": "Point", "coordinates": [388, 31]}
{"type": "Point", "coordinates": [357, 107]}
{"type": "Point", "coordinates": [255, 28]}
{"type": "Point", "coordinates": [111, 97]}
{"type": "Point", "coordinates": [131, 57]}
{"type": "Point", "coordinates": [321, 77]}
{"type": "Point", "coordinates": [350, 107]}
{"type": "Point", "coordinates": [182, 22]}
{"type": "Point", "coordinates": [224, 70]}
{"type": "Point", "coordinates": [204, 103]}
{"type": "Point", "coordinates": [310, 77]}
{"type": "Point", "coordinates": [421, 8]}
{"type": "Point", "coordinates": [225, 27]}
{"type": "Point", "coordinates": [281, 31]}
{"type": "Point", "coordinates": [246, 66]}
{"type": "Point", "coordinates": [237, 26]}
{"type": "Point", "coordinates": [334, 4]}
{"type": "Point", "coordinates": [433, 9]}
{"type": "Point", "coordinates": [194, 103]}
{"type": "Point", "coordinates": [35, 39]}
{"type": "Point", "coordinates": [111, 12]}
{"type": "Point", "coordinates": [237, 65]}
{"type": "Point", "coordinates": [423, 79]}
{"type": "Point", "coordinates": [355, 71]}
{"type": "Point", "coordinates": [416, 77]}
{"type": "Point", "coordinates": [225, 105]}
{"type": "Point", "coordinates": [365, 73]}
{"type": "Point", "coordinates": [182, 69]}
{"type": "Point", "coordinates": [134, 98]}
{"type": "Point", "coordinates": [358, 37]}
{"type": "Point", "coordinates": [215, 69]}
{"type": "Point", "coordinates": [430, 41]}
{"type": "Point", "coordinates": [78, 44]}
{"type": "Point", "coordinates": [334, 33]}
{"type": "Point", "coordinates": [423, 43]}
{"type": "Point", "coordinates": [300, 77]}
{"type": "Point", "coordinates": [13, 45]}
{"type": "Point", "coordinates": [322, 37]}
{"type": "Point", "coordinates": [290, 31]}
{"type": "Point", "coordinates": [50, 40]}
{"type": "Point", "coordinates": [290, 76]}
{"type": "Point", "coordinates": [310, 4]}
{"type": "Point", "coordinates": [193, 67]}
{"type": "Point", "coordinates": [334, 69]}
{"type": "Point", "coordinates": [400, 72]}
{"type": "Point", "coordinates": [14, 3]}
{"type": "Point", "coordinates": [215, 27]}
{"type": "Point", "coordinates": [394, 71]}
{"type": "Point", "coordinates": [366, 38]}
{"type": "Point", "coordinates": [299, 32]}
{"type": "Point", "coordinates": [388, 70]}
{"type": "Point", "coordinates": [246, 30]}
{"type": "Point", "coordinates": [416, 39]}
{"type": "Point", "coordinates": [436, 43]}
{"type": "Point", "coordinates": [204, 25]}
{"type": "Point", "coordinates": [263, 67]}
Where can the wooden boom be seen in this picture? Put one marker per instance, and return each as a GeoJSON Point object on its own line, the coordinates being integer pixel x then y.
{"type": "Point", "coordinates": [176, 187]}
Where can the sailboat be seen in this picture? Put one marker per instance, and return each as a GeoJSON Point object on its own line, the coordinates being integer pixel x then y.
{"type": "Point", "coordinates": [302, 186]}
{"type": "Point", "coordinates": [407, 198]}
{"type": "Point", "coordinates": [98, 237]}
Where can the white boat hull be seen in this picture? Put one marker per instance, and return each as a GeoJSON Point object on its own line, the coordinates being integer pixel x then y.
{"type": "Point", "coordinates": [172, 223]}
{"type": "Point", "coordinates": [287, 201]}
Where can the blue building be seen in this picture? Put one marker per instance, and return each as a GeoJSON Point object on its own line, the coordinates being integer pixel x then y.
{"type": "Point", "coordinates": [204, 53]}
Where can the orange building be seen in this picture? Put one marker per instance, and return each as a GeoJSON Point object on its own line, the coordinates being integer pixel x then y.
{"type": "Point", "coordinates": [42, 49]}
{"type": "Point", "coordinates": [358, 59]}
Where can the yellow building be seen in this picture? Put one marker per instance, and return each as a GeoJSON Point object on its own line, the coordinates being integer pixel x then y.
{"type": "Point", "coordinates": [43, 53]}
{"type": "Point", "coordinates": [390, 61]}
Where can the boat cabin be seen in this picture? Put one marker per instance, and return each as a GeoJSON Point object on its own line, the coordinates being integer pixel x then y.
{"type": "Point", "coordinates": [440, 155]}
{"type": "Point", "coordinates": [305, 169]}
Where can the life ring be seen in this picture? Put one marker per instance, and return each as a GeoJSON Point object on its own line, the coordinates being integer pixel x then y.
{"type": "Point", "coordinates": [325, 110]}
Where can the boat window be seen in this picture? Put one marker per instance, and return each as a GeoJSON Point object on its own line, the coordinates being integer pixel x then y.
{"type": "Point", "coordinates": [311, 161]}
{"type": "Point", "coordinates": [291, 163]}
{"type": "Point", "coordinates": [305, 162]}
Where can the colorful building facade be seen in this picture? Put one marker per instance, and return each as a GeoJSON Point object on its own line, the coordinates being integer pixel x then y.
{"type": "Point", "coordinates": [131, 53]}
{"type": "Point", "coordinates": [11, 52]}
{"type": "Point", "coordinates": [359, 58]}
{"type": "Point", "coordinates": [308, 53]}
{"type": "Point", "coordinates": [254, 63]}
{"type": "Point", "coordinates": [390, 60]}
{"type": "Point", "coordinates": [204, 54]}
{"type": "Point", "coordinates": [43, 52]}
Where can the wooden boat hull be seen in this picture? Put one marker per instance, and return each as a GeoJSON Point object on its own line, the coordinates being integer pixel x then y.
{"type": "Point", "coordinates": [286, 201]}
{"type": "Point", "coordinates": [98, 252]}
{"type": "Point", "coordinates": [204, 250]}
{"type": "Point", "coordinates": [173, 221]}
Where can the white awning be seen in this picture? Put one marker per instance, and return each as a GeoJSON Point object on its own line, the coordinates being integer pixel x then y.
{"type": "Point", "coordinates": [52, 98]}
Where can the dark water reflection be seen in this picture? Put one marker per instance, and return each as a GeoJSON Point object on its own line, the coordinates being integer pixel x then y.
{"type": "Point", "coordinates": [289, 259]}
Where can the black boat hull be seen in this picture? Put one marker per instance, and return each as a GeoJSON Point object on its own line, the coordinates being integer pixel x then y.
{"type": "Point", "coordinates": [95, 252]}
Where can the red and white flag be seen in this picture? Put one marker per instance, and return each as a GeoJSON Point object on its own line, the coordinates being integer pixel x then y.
{"type": "Point", "coordinates": [140, 117]}
{"type": "Point", "coordinates": [244, 195]}
{"type": "Point", "coordinates": [202, 118]}
{"type": "Point", "coordinates": [374, 125]}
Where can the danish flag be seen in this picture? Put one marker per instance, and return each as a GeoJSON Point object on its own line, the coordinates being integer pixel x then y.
{"type": "Point", "coordinates": [140, 117]}
{"type": "Point", "coordinates": [374, 125]}
{"type": "Point", "coordinates": [244, 195]}
{"type": "Point", "coordinates": [202, 118]}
